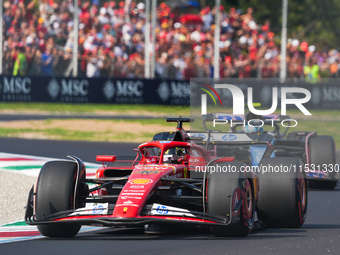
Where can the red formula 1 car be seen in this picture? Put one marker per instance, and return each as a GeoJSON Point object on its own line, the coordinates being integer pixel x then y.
{"type": "Point", "coordinates": [171, 181]}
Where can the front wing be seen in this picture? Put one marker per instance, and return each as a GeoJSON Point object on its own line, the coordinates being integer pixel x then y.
{"type": "Point", "coordinates": [99, 215]}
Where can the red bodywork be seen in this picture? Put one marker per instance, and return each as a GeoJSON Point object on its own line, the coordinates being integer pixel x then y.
{"type": "Point", "coordinates": [145, 175]}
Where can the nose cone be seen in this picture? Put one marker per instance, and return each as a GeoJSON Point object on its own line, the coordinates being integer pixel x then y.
{"type": "Point", "coordinates": [143, 180]}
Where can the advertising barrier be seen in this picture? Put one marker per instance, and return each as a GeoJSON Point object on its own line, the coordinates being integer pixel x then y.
{"type": "Point", "coordinates": [324, 95]}
{"type": "Point", "coordinates": [94, 90]}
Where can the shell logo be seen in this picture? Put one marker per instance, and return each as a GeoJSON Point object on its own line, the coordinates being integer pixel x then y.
{"type": "Point", "coordinates": [141, 181]}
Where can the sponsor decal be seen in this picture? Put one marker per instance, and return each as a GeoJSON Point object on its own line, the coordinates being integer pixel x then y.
{"type": "Point", "coordinates": [124, 204]}
{"type": "Point", "coordinates": [124, 91]}
{"type": "Point", "coordinates": [174, 92]}
{"type": "Point", "coordinates": [98, 209]}
{"type": "Point", "coordinates": [91, 209]}
{"type": "Point", "coordinates": [16, 89]}
{"type": "Point", "coordinates": [197, 135]}
{"type": "Point", "coordinates": [162, 209]}
{"type": "Point", "coordinates": [137, 187]}
{"type": "Point", "coordinates": [163, 91]}
{"type": "Point", "coordinates": [158, 209]}
{"type": "Point", "coordinates": [184, 219]}
{"type": "Point", "coordinates": [140, 181]}
{"type": "Point", "coordinates": [109, 90]}
{"type": "Point", "coordinates": [129, 197]}
{"type": "Point", "coordinates": [153, 167]}
{"type": "Point", "coordinates": [69, 90]}
{"type": "Point", "coordinates": [229, 137]}
{"type": "Point", "coordinates": [132, 194]}
{"type": "Point", "coordinates": [153, 160]}
{"type": "Point", "coordinates": [128, 202]}
{"type": "Point", "coordinates": [147, 172]}
{"type": "Point", "coordinates": [53, 89]}
{"type": "Point", "coordinates": [130, 190]}
{"type": "Point", "coordinates": [185, 172]}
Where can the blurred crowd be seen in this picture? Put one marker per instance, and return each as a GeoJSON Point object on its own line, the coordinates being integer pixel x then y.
{"type": "Point", "coordinates": [38, 40]}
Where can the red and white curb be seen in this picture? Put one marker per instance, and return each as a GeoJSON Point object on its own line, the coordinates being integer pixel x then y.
{"type": "Point", "coordinates": [20, 231]}
{"type": "Point", "coordinates": [29, 165]}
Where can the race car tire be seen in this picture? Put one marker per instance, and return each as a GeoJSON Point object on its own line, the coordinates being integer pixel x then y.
{"type": "Point", "coordinates": [55, 193]}
{"type": "Point", "coordinates": [322, 153]}
{"type": "Point", "coordinates": [282, 201]}
{"type": "Point", "coordinates": [220, 191]}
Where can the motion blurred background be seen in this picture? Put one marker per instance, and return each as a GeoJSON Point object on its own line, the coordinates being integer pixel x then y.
{"type": "Point", "coordinates": [169, 39]}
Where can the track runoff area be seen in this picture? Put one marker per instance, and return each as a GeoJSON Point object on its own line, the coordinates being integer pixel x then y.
{"type": "Point", "coordinates": [30, 166]}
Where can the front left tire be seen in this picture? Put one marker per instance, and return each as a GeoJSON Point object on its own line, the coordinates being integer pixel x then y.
{"type": "Point", "coordinates": [55, 193]}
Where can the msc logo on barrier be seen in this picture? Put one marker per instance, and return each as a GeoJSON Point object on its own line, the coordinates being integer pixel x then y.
{"type": "Point", "coordinates": [175, 91]}
{"type": "Point", "coordinates": [16, 89]}
{"type": "Point", "coordinates": [71, 90]}
{"type": "Point", "coordinates": [124, 91]}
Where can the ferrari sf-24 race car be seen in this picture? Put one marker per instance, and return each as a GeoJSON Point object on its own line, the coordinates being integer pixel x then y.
{"type": "Point", "coordinates": [173, 180]}
{"type": "Point", "coordinates": [317, 152]}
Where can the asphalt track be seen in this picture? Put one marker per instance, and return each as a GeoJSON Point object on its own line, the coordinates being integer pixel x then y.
{"type": "Point", "coordinates": [319, 235]}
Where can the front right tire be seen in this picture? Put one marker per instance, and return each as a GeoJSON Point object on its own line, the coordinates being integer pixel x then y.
{"type": "Point", "coordinates": [220, 193]}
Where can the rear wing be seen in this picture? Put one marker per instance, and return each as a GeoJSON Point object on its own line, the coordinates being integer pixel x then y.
{"type": "Point", "coordinates": [226, 139]}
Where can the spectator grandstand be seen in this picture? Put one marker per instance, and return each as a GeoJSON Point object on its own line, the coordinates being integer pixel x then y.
{"type": "Point", "coordinates": [111, 42]}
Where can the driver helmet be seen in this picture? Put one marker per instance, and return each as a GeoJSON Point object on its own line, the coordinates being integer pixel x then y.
{"type": "Point", "coordinates": [173, 154]}
{"type": "Point", "coordinates": [169, 154]}
{"type": "Point", "coordinates": [252, 128]}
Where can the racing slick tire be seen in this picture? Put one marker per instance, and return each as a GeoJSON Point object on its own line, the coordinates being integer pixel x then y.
{"type": "Point", "coordinates": [55, 193]}
{"type": "Point", "coordinates": [282, 201]}
{"type": "Point", "coordinates": [322, 153]}
{"type": "Point", "coordinates": [220, 193]}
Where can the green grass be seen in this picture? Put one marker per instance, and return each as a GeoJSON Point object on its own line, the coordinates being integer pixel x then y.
{"type": "Point", "coordinates": [95, 108]}
{"type": "Point", "coordinates": [325, 122]}
{"type": "Point", "coordinates": [73, 135]}
{"type": "Point", "coordinates": [158, 110]}
{"type": "Point", "coordinates": [321, 127]}
{"type": "Point", "coordinates": [99, 130]}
